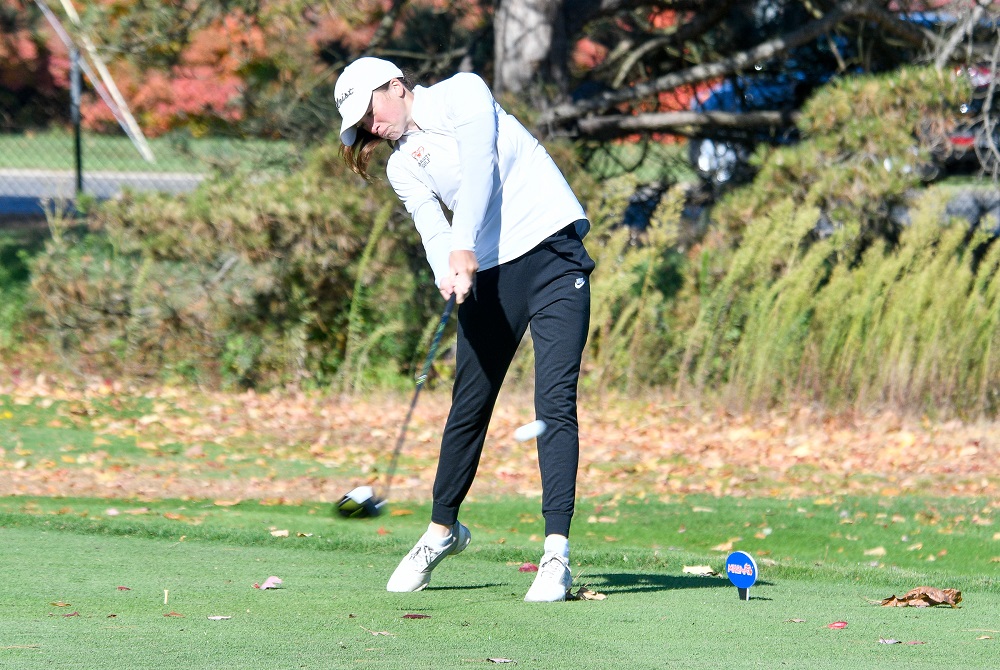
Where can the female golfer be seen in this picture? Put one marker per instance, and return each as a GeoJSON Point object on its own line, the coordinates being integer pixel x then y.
{"type": "Point", "coordinates": [512, 256]}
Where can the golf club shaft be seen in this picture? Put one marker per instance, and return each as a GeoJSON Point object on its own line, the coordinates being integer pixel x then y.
{"type": "Point", "coordinates": [449, 306]}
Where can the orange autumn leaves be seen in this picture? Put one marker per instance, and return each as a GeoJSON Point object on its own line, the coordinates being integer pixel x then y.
{"type": "Point", "coordinates": [294, 446]}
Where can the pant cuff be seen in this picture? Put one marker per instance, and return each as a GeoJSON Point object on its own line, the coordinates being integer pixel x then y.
{"type": "Point", "coordinates": [557, 524]}
{"type": "Point", "coordinates": [444, 514]}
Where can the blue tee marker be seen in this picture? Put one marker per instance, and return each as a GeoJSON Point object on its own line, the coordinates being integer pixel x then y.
{"type": "Point", "coordinates": [742, 572]}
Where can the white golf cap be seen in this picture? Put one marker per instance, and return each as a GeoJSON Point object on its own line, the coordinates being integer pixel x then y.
{"type": "Point", "coordinates": [353, 92]}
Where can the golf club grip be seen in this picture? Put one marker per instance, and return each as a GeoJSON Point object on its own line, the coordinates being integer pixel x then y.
{"type": "Point", "coordinates": [449, 306]}
{"type": "Point", "coordinates": [445, 315]}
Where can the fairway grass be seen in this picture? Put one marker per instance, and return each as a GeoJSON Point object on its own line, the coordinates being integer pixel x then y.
{"type": "Point", "coordinates": [200, 496]}
{"type": "Point", "coordinates": [63, 561]}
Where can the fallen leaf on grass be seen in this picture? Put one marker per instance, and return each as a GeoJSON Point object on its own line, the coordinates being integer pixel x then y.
{"type": "Point", "coordinates": [59, 603]}
{"type": "Point", "coordinates": [72, 614]}
{"type": "Point", "coordinates": [401, 512]}
{"type": "Point", "coordinates": [219, 618]}
{"type": "Point", "coordinates": [883, 640]}
{"type": "Point", "coordinates": [528, 567]}
{"type": "Point", "coordinates": [916, 642]}
{"type": "Point", "coordinates": [728, 545]}
{"type": "Point", "coordinates": [176, 614]}
{"type": "Point", "coordinates": [279, 533]}
{"type": "Point", "coordinates": [795, 620]}
{"type": "Point", "coordinates": [269, 583]}
{"type": "Point", "coordinates": [703, 570]}
{"type": "Point", "coordinates": [985, 637]}
{"type": "Point", "coordinates": [416, 616]}
{"type": "Point", "coordinates": [377, 632]}
{"type": "Point", "coordinates": [501, 660]}
{"type": "Point", "coordinates": [925, 596]}
{"type": "Point", "coordinates": [877, 551]}
{"type": "Point", "coordinates": [583, 593]}
{"type": "Point", "coordinates": [837, 624]}
{"type": "Point", "coordinates": [124, 588]}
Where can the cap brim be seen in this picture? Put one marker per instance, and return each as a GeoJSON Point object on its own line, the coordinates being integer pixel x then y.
{"type": "Point", "coordinates": [348, 134]}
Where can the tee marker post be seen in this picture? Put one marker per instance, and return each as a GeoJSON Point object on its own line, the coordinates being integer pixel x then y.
{"type": "Point", "coordinates": [742, 572]}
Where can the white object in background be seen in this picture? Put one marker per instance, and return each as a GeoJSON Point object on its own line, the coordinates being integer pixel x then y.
{"type": "Point", "coordinates": [530, 431]}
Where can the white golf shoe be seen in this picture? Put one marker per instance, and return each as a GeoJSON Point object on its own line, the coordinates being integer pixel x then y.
{"type": "Point", "coordinates": [553, 580]}
{"type": "Point", "coordinates": [414, 571]}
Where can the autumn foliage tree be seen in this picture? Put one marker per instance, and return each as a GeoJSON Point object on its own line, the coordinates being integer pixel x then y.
{"type": "Point", "coordinates": [263, 67]}
{"type": "Point", "coordinates": [600, 69]}
{"type": "Point", "coordinates": [33, 81]}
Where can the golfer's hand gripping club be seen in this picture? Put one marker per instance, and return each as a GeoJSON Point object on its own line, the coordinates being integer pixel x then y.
{"type": "Point", "coordinates": [462, 268]}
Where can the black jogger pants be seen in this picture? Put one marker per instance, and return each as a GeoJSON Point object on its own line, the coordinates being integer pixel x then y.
{"type": "Point", "coordinates": [549, 289]}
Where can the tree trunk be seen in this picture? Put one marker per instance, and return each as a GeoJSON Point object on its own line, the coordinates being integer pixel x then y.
{"type": "Point", "coordinates": [530, 44]}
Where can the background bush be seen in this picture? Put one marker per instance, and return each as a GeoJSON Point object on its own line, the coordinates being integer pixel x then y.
{"type": "Point", "coordinates": [246, 281]}
{"type": "Point", "coordinates": [812, 286]}
{"type": "Point", "coordinates": [806, 284]}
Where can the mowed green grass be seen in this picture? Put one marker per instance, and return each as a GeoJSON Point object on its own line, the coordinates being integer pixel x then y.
{"type": "Point", "coordinates": [63, 561]}
{"type": "Point", "coordinates": [822, 560]}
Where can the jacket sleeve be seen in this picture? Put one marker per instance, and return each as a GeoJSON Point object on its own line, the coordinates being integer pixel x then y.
{"type": "Point", "coordinates": [470, 107]}
{"type": "Point", "coordinates": [425, 210]}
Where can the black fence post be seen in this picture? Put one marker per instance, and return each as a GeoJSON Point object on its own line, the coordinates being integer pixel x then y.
{"type": "Point", "coordinates": [75, 86]}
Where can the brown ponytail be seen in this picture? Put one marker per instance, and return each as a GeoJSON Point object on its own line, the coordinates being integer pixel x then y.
{"type": "Point", "coordinates": [359, 155]}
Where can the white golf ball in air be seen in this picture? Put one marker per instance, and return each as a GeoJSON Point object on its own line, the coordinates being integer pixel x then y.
{"type": "Point", "coordinates": [529, 431]}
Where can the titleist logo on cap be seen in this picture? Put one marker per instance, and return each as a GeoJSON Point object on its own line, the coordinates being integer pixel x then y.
{"type": "Point", "coordinates": [341, 99]}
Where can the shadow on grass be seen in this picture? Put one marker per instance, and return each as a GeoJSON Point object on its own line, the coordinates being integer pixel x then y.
{"type": "Point", "coordinates": [467, 587]}
{"type": "Point", "coordinates": [629, 582]}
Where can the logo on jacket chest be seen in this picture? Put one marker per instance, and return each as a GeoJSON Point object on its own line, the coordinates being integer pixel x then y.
{"type": "Point", "coordinates": [422, 156]}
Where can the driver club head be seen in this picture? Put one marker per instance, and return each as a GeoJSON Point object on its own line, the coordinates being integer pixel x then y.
{"type": "Point", "coordinates": [360, 503]}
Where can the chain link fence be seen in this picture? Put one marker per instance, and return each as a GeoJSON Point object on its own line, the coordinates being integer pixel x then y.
{"type": "Point", "coordinates": [41, 169]}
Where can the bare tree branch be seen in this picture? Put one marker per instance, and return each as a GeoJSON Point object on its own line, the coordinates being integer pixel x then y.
{"type": "Point", "coordinates": [703, 20]}
{"type": "Point", "coordinates": [697, 26]}
{"type": "Point", "coordinates": [386, 24]}
{"type": "Point", "coordinates": [989, 156]}
{"type": "Point", "coordinates": [894, 25]}
{"type": "Point", "coordinates": [961, 30]}
{"type": "Point", "coordinates": [685, 123]}
{"type": "Point", "coordinates": [585, 11]}
{"type": "Point", "coordinates": [740, 61]}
